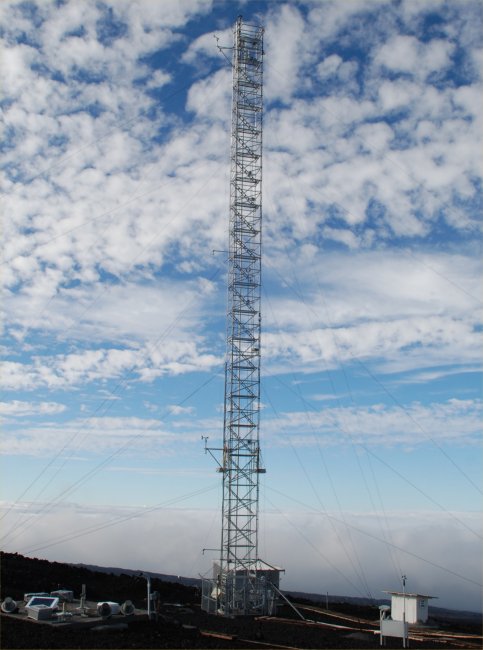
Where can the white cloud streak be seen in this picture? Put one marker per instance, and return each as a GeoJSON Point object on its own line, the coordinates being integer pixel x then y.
{"type": "Point", "coordinates": [21, 409]}
{"type": "Point", "coordinates": [379, 425]}
{"type": "Point", "coordinates": [455, 421]}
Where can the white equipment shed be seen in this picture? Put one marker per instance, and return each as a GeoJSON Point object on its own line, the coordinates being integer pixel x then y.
{"type": "Point", "coordinates": [412, 608]}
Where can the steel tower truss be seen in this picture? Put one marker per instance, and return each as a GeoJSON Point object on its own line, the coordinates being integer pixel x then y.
{"type": "Point", "coordinates": [240, 582]}
{"type": "Point", "coordinates": [241, 450]}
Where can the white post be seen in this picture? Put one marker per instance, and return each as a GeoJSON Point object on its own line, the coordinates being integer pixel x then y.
{"type": "Point", "coordinates": [381, 638]}
{"type": "Point", "coordinates": [83, 600]}
{"type": "Point", "coordinates": [405, 639]}
{"type": "Point", "coordinates": [149, 596]}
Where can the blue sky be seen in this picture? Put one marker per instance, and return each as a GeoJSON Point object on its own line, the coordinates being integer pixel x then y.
{"type": "Point", "coordinates": [115, 169]}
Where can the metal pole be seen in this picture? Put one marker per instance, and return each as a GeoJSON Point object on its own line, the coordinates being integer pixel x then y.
{"type": "Point", "coordinates": [288, 602]}
{"type": "Point", "coordinates": [83, 598]}
{"type": "Point", "coordinates": [404, 610]}
{"type": "Point", "coordinates": [148, 580]}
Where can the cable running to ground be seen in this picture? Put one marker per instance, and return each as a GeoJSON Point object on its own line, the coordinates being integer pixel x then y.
{"type": "Point", "coordinates": [406, 480]}
{"type": "Point", "coordinates": [399, 548]}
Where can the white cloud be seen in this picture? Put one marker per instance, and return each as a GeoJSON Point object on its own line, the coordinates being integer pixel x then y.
{"type": "Point", "coordinates": [348, 174]}
{"type": "Point", "coordinates": [413, 182]}
{"type": "Point", "coordinates": [398, 343]}
{"type": "Point", "coordinates": [329, 66]}
{"type": "Point", "coordinates": [211, 97]}
{"type": "Point", "coordinates": [364, 168]}
{"type": "Point", "coordinates": [175, 409]}
{"type": "Point", "coordinates": [340, 551]}
{"type": "Point", "coordinates": [113, 202]}
{"type": "Point", "coordinates": [397, 94]}
{"type": "Point", "coordinates": [208, 46]}
{"type": "Point", "coordinates": [454, 421]}
{"type": "Point", "coordinates": [412, 310]}
{"type": "Point", "coordinates": [129, 365]}
{"type": "Point", "coordinates": [432, 307]}
{"type": "Point", "coordinates": [21, 409]}
{"type": "Point", "coordinates": [284, 43]}
{"type": "Point", "coordinates": [93, 434]}
{"type": "Point", "coordinates": [327, 19]}
{"type": "Point", "coordinates": [343, 235]}
{"type": "Point", "coordinates": [416, 424]}
{"type": "Point", "coordinates": [407, 54]}
{"type": "Point", "coordinates": [116, 184]}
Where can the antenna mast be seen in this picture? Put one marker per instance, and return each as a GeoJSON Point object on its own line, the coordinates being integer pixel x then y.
{"type": "Point", "coordinates": [241, 580]}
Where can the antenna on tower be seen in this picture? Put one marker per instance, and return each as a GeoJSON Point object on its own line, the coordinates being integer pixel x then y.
{"type": "Point", "coordinates": [242, 584]}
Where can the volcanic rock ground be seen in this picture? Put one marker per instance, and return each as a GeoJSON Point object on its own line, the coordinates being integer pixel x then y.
{"type": "Point", "coordinates": [182, 624]}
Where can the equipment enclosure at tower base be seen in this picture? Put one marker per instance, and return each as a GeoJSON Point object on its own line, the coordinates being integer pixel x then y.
{"type": "Point", "coordinates": [252, 592]}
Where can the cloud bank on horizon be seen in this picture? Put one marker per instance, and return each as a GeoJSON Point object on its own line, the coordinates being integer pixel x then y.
{"type": "Point", "coordinates": [115, 176]}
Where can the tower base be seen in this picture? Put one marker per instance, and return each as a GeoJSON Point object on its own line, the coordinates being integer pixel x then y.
{"type": "Point", "coordinates": [249, 591]}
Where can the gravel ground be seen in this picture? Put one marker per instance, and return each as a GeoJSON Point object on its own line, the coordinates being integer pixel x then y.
{"type": "Point", "coordinates": [241, 633]}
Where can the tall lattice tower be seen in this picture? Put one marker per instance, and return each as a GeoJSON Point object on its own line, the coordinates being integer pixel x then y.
{"type": "Point", "coordinates": [241, 583]}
